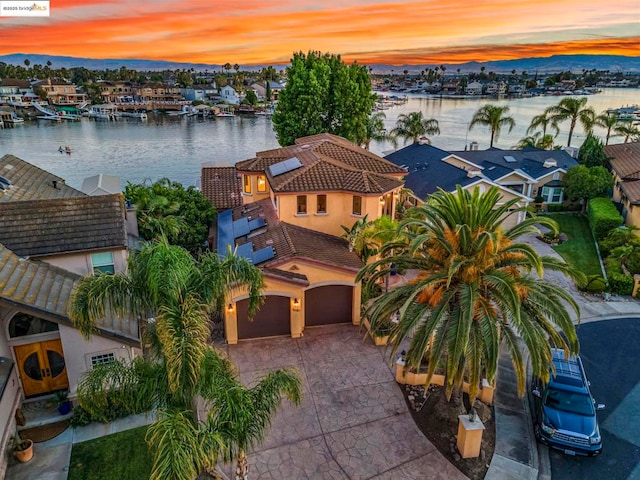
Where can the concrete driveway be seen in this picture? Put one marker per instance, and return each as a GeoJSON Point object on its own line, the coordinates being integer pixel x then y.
{"type": "Point", "coordinates": [353, 422]}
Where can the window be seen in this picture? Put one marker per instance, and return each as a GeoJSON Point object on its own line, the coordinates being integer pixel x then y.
{"type": "Point", "coordinates": [322, 204]}
{"type": "Point", "coordinates": [102, 359]}
{"type": "Point", "coordinates": [302, 205]}
{"type": "Point", "coordinates": [262, 184]}
{"type": "Point", "coordinates": [557, 195]}
{"type": "Point", "coordinates": [356, 208]}
{"type": "Point", "coordinates": [246, 182]}
{"type": "Point", "coordinates": [556, 175]}
{"type": "Point", "coordinates": [103, 262]}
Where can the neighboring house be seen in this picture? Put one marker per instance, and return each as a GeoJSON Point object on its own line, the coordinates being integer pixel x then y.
{"type": "Point", "coordinates": [229, 95]}
{"type": "Point", "coordinates": [60, 92]}
{"type": "Point", "coordinates": [101, 184]}
{"type": "Point", "coordinates": [116, 92]}
{"type": "Point", "coordinates": [156, 92]}
{"type": "Point", "coordinates": [293, 202]}
{"type": "Point", "coordinates": [261, 89]}
{"type": "Point", "coordinates": [521, 174]}
{"type": "Point", "coordinates": [194, 93]}
{"type": "Point", "coordinates": [473, 88]}
{"type": "Point", "coordinates": [13, 90]}
{"type": "Point", "coordinates": [51, 236]}
{"type": "Point", "coordinates": [496, 88]}
{"type": "Point", "coordinates": [625, 166]}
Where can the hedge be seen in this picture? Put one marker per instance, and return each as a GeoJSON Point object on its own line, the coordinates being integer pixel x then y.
{"type": "Point", "coordinates": [603, 216]}
{"type": "Point", "coordinates": [621, 284]}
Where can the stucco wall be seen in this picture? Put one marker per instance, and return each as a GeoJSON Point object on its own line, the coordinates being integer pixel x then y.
{"type": "Point", "coordinates": [339, 211]}
{"type": "Point", "coordinates": [9, 402]}
{"type": "Point", "coordinates": [77, 352]}
{"type": "Point", "coordinates": [80, 263]}
{"type": "Point", "coordinates": [255, 195]}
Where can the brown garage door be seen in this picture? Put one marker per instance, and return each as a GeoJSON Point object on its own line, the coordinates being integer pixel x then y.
{"type": "Point", "coordinates": [272, 318]}
{"type": "Point", "coordinates": [327, 305]}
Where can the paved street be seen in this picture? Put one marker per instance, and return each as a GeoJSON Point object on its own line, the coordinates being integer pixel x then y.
{"type": "Point", "coordinates": [353, 422]}
{"type": "Point", "coordinates": [611, 355]}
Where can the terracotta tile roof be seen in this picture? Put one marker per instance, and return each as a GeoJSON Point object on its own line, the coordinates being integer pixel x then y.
{"type": "Point", "coordinates": [222, 186]}
{"type": "Point", "coordinates": [15, 82]}
{"type": "Point", "coordinates": [290, 241]}
{"type": "Point", "coordinates": [31, 183]}
{"type": "Point", "coordinates": [632, 190]}
{"type": "Point", "coordinates": [44, 227]}
{"type": "Point", "coordinates": [329, 163]}
{"type": "Point", "coordinates": [45, 290]}
{"type": "Point", "coordinates": [625, 159]}
{"type": "Point", "coordinates": [286, 275]}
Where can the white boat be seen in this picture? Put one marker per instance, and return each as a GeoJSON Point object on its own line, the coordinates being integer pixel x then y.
{"type": "Point", "coordinates": [139, 115]}
{"type": "Point", "coordinates": [224, 114]}
{"type": "Point", "coordinates": [53, 118]}
{"type": "Point", "coordinates": [106, 111]}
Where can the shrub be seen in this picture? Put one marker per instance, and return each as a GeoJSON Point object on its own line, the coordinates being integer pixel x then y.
{"type": "Point", "coordinates": [556, 207]}
{"type": "Point", "coordinates": [595, 284]}
{"type": "Point", "coordinates": [620, 283]}
{"type": "Point", "coordinates": [603, 216]}
{"type": "Point", "coordinates": [80, 418]}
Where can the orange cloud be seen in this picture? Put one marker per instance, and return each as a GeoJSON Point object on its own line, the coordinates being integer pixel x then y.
{"type": "Point", "coordinates": [385, 31]}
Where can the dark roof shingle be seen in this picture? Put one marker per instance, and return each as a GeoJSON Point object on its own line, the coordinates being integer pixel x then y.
{"type": "Point", "coordinates": [45, 227]}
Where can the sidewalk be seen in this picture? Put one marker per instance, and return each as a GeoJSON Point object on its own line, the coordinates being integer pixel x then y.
{"type": "Point", "coordinates": [51, 458]}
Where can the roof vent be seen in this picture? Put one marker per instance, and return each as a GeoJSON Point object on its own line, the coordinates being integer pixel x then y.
{"type": "Point", "coordinates": [424, 141]}
{"type": "Point", "coordinates": [509, 159]}
{"type": "Point", "coordinates": [473, 146]}
{"type": "Point", "coordinates": [474, 173]}
{"type": "Point", "coordinates": [550, 162]}
{"type": "Point", "coordinates": [54, 183]}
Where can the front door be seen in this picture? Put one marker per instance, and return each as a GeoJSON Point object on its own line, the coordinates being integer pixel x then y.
{"type": "Point", "coordinates": [41, 366]}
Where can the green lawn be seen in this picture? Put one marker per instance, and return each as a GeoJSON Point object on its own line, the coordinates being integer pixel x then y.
{"type": "Point", "coordinates": [121, 456]}
{"type": "Point", "coordinates": [579, 251]}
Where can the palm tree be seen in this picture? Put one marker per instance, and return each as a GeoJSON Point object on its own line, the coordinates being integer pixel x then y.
{"type": "Point", "coordinates": [474, 291]}
{"type": "Point", "coordinates": [574, 110]}
{"type": "Point", "coordinates": [174, 295]}
{"type": "Point", "coordinates": [494, 117]}
{"type": "Point", "coordinates": [543, 120]}
{"type": "Point", "coordinates": [537, 140]}
{"type": "Point", "coordinates": [414, 126]}
{"type": "Point", "coordinates": [628, 130]}
{"type": "Point", "coordinates": [375, 129]}
{"type": "Point", "coordinates": [608, 121]}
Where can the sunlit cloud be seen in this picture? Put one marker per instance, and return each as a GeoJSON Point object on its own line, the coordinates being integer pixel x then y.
{"type": "Point", "coordinates": [380, 31]}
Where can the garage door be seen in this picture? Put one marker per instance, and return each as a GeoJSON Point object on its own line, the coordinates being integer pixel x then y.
{"type": "Point", "coordinates": [328, 304]}
{"type": "Point", "coordinates": [272, 318]}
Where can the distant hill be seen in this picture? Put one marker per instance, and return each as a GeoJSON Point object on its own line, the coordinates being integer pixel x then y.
{"type": "Point", "coordinates": [555, 63]}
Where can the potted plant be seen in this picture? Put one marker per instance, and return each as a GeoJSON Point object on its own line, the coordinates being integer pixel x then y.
{"type": "Point", "coordinates": [22, 449]}
{"type": "Point", "coordinates": [62, 399]}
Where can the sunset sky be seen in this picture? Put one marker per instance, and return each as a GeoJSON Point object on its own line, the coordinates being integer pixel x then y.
{"type": "Point", "coordinates": [396, 32]}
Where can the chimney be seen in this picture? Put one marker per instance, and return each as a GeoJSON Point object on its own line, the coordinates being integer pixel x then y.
{"type": "Point", "coordinates": [473, 146]}
{"type": "Point", "coordinates": [54, 183]}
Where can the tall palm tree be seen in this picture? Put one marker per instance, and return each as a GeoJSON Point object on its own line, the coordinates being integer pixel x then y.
{"type": "Point", "coordinates": [474, 291]}
{"type": "Point", "coordinates": [543, 120]}
{"type": "Point", "coordinates": [608, 121]}
{"type": "Point", "coordinates": [495, 117]}
{"type": "Point", "coordinates": [174, 295]}
{"type": "Point", "coordinates": [414, 126]}
{"type": "Point", "coordinates": [575, 110]}
{"type": "Point", "coordinates": [537, 140]}
{"type": "Point", "coordinates": [375, 129]}
{"type": "Point", "coordinates": [628, 130]}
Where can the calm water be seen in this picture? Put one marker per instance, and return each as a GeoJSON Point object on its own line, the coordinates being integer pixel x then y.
{"type": "Point", "coordinates": [177, 147]}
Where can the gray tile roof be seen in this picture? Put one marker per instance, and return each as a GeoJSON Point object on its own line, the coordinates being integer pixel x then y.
{"type": "Point", "coordinates": [32, 183]}
{"type": "Point", "coordinates": [45, 227]}
{"type": "Point", "coordinates": [44, 290]}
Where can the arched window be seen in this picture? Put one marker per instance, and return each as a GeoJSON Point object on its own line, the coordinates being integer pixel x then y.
{"type": "Point", "coordinates": [22, 325]}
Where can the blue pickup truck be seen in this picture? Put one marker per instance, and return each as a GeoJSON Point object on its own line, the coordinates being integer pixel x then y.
{"type": "Point", "coordinates": [565, 411]}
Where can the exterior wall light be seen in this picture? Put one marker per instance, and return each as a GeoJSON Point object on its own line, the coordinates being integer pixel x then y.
{"type": "Point", "coordinates": [230, 308]}
{"type": "Point", "coordinates": [296, 304]}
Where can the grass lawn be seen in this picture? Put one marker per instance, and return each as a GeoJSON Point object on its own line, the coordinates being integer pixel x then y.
{"type": "Point", "coordinates": [579, 251]}
{"type": "Point", "coordinates": [121, 456]}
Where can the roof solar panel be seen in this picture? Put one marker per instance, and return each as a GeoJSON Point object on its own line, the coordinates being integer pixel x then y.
{"type": "Point", "coordinates": [245, 250]}
{"type": "Point", "coordinates": [263, 255]}
{"type": "Point", "coordinates": [285, 166]}
{"type": "Point", "coordinates": [225, 232]}
{"type": "Point", "coordinates": [256, 223]}
{"type": "Point", "coordinates": [240, 227]}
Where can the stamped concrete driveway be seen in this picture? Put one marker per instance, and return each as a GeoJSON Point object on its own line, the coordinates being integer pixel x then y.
{"type": "Point", "coordinates": [353, 422]}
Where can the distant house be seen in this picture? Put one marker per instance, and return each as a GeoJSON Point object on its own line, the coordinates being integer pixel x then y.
{"type": "Point", "coordinates": [521, 174]}
{"type": "Point", "coordinates": [261, 89]}
{"type": "Point", "coordinates": [284, 211]}
{"type": "Point", "coordinates": [51, 236]}
{"type": "Point", "coordinates": [229, 95]}
{"type": "Point", "coordinates": [194, 93]}
{"type": "Point", "coordinates": [473, 88]}
{"type": "Point", "coordinates": [61, 92]}
{"type": "Point", "coordinates": [13, 91]}
{"type": "Point", "coordinates": [496, 88]}
{"type": "Point", "coordinates": [625, 166]}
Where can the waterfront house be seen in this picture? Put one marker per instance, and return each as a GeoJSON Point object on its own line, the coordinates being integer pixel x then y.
{"type": "Point", "coordinates": [51, 236]}
{"type": "Point", "coordinates": [13, 91]}
{"type": "Point", "coordinates": [194, 93]}
{"type": "Point", "coordinates": [473, 88]}
{"type": "Point", "coordinates": [116, 92]}
{"type": "Point", "coordinates": [62, 93]}
{"type": "Point", "coordinates": [285, 208]}
{"type": "Point", "coordinates": [157, 94]}
{"type": "Point", "coordinates": [625, 166]}
{"type": "Point", "coordinates": [229, 95]}
{"type": "Point", "coordinates": [261, 89]}
{"type": "Point", "coordinates": [522, 174]}
{"type": "Point", "coordinates": [496, 88]}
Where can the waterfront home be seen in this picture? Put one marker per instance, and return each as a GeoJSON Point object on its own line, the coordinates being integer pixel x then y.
{"type": "Point", "coordinates": [116, 92]}
{"type": "Point", "coordinates": [156, 92]}
{"type": "Point", "coordinates": [496, 88]}
{"type": "Point", "coordinates": [229, 95]}
{"type": "Point", "coordinates": [285, 208]}
{"type": "Point", "coordinates": [51, 236]}
{"type": "Point", "coordinates": [13, 90]}
{"type": "Point", "coordinates": [473, 88]}
{"type": "Point", "coordinates": [625, 166]}
{"type": "Point", "coordinates": [261, 89]}
{"type": "Point", "coordinates": [194, 93]}
{"type": "Point", "coordinates": [61, 92]}
{"type": "Point", "coordinates": [522, 174]}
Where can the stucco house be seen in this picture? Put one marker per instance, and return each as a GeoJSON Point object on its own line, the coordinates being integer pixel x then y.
{"type": "Point", "coordinates": [229, 95]}
{"type": "Point", "coordinates": [522, 174]}
{"type": "Point", "coordinates": [261, 89]}
{"type": "Point", "coordinates": [625, 166]}
{"type": "Point", "coordinates": [285, 208]}
{"type": "Point", "coordinates": [51, 236]}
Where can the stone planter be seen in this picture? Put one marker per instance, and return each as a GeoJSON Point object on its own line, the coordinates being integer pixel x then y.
{"type": "Point", "coordinates": [379, 341]}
